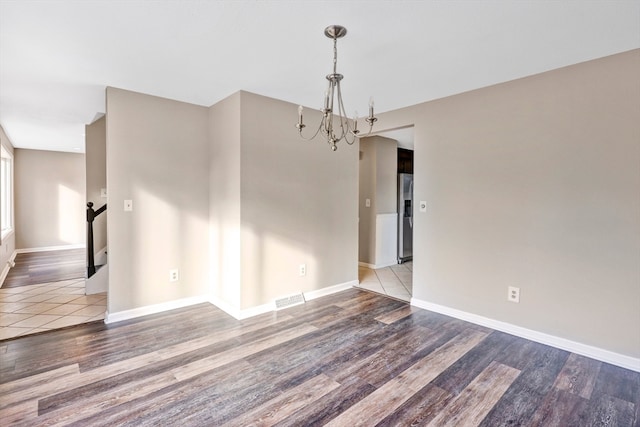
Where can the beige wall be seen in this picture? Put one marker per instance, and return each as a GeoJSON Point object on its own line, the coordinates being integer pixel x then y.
{"type": "Point", "coordinates": [96, 172]}
{"type": "Point", "coordinates": [532, 183]}
{"type": "Point", "coordinates": [8, 244]}
{"type": "Point", "coordinates": [367, 190]}
{"type": "Point", "coordinates": [224, 200]}
{"type": "Point", "coordinates": [223, 193]}
{"type": "Point", "coordinates": [535, 183]}
{"type": "Point", "coordinates": [156, 157]}
{"type": "Point", "coordinates": [299, 205]}
{"type": "Point", "coordinates": [378, 182]}
{"type": "Point", "coordinates": [49, 196]}
{"type": "Point", "coordinates": [386, 175]}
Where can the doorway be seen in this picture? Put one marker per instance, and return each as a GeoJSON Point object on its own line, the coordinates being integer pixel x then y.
{"type": "Point", "coordinates": [386, 213]}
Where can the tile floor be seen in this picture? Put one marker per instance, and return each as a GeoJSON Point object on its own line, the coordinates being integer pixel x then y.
{"type": "Point", "coordinates": [36, 308]}
{"type": "Point", "coordinates": [395, 281]}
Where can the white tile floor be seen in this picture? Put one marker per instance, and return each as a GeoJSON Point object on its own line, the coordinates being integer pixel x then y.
{"type": "Point", "coordinates": [36, 308]}
{"type": "Point", "coordinates": [395, 281]}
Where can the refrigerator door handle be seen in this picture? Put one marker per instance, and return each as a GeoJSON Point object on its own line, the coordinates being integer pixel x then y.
{"type": "Point", "coordinates": [411, 193]}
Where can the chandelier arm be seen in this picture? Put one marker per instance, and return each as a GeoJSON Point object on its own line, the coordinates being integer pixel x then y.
{"type": "Point", "coordinates": [344, 119]}
{"type": "Point", "coordinates": [314, 135]}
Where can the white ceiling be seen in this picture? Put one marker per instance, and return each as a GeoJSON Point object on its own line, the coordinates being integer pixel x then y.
{"type": "Point", "coordinates": [57, 57]}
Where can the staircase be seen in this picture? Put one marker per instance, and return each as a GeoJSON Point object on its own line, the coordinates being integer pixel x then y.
{"type": "Point", "coordinates": [97, 280]}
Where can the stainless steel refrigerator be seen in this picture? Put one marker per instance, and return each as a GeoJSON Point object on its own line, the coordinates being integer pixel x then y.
{"type": "Point", "coordinates": [405, 217]}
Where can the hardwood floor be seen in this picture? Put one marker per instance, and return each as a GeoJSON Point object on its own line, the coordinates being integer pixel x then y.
{"type": "Point", "coordinates": [353, 358]}
{"type": "Point", "coordinates": [45, 267]}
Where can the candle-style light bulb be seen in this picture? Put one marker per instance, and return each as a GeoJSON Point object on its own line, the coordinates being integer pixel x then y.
{"type": "Point", "coordinates": [371, 104]}
{"type": "Point", "coordinates": [355, 121]}
{"type": "Point", "coordinates": [300, 109]}
{"type": "Point", "coordinates": [326, 100]}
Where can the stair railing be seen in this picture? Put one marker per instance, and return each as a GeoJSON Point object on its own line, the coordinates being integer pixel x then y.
{"type": "Point", "coordinates": [91, 215]}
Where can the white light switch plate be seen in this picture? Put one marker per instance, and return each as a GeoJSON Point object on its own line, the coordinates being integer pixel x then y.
{"type": "Point", "coordinates": [103, 192]}
{"type": "Point", "coordinates": [128, 205]}
{"type": "Point", "coordinates": [423, 206]}
{"type": "Point", "coordinates": [367, 203]}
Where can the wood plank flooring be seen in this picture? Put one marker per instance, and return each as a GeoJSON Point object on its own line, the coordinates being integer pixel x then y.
{"type": "Point", "coordinates": [349, 359]}
{"type": "Point", "coordinates": [44, 267]}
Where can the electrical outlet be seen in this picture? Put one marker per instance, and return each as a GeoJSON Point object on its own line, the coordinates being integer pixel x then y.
{"type": "Point", "coordinates": [128, 205]}
{"type": "Point", "coordinates": [514, 294]}
{"type": "Point", "coordinates": [303, 269]}
{"type": "Point", "coordinates": [174, 275]}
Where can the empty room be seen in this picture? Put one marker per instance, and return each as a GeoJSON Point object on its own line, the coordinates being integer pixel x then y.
{"type": "Point", "coordinates": [338, 213]}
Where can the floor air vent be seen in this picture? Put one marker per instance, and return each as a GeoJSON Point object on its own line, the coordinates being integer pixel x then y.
{"type": "Point", "coordinates": [289, 301]}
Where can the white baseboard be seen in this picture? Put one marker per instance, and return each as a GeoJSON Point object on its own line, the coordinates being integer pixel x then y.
{"type": "Point", "coordinates": [50, 248]}
{"type": "Point", "coordinates": [7, 267]}
{"type": "Point", "coordinates": [376, 266]}
{"type": "Point", "coordinates": [153, 309]}
{"type": "Point", "coordinates": [597, 353]}
{"type": "Point", "coordinates": [240, 314]}
{"type": "Point", "coordinates": [308, 296]}
{"type": "Point", "coordinates": [266, 308]}
{"type": "Point", "coordinates": [97, 283]}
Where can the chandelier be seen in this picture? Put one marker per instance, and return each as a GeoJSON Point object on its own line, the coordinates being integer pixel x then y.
{"type": "Point", "coordinates": [333, 104]}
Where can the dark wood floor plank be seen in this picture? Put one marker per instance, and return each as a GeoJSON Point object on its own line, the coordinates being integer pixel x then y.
{"type": "Point", "coordinates": [578, 376]}
{"type": "Point", "coordinates": [396, 356]}
{"type": "Point", "coordinates": [560, 408]}
{"type": "Point", "coordinates": [461, 373]}
{"type": "Point", "coordinates": [617, 382]}
{"type": "Point", "coordinates": [386, 399]}
{"type": "Point", "coordinates": [330, 405]}
{"type": "Point", "coordinates": [171, 404]}
{"type": "Point", "coordinates": [287, 403]}
{"type": "Point", "coordinates": [609, 411]}
{"type": "Point", "coordinates": [541, 365]}
{"type": "Point", "coordinates": [478, 398]}
{"type": "Point", "coordinates": [422, 407]}
{"type": "Point", "coordinates": [74, 405]}
{"type": "Point", "coordinates": [353, 358]}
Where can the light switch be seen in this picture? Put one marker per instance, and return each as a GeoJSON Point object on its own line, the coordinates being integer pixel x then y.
{"type": "Point", "coordinates": [103, 192]}
{"type": "Point", "coordinates": [423, 206]}
{"type": "Point", "coordinates": [367, 203]}
{"type": "Point", "coordinates": [128, 205]}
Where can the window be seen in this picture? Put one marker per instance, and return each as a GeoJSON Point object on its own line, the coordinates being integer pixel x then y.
{"type": "Point", "coordinates": [6, 192]}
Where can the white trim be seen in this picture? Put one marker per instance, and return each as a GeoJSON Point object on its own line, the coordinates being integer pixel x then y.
{"type": "Point", "coordinates": [7, 267]}
{"type": "Point", "coordinates": [377, 266]}
{"type": "Point", "coordinates": [153, 309]}
{"type": "Point", "coordinates": [386, 241]}
{"type": "Point", "coordinates": [597, 353]}
{"type": "Point", "coordinates": [266, 308]}
{"type": "Point", "coordinates": [241, 314]}
{"type": "Point", "coordinates": [7, 233]}
{"type": "Point", "coordinates": [308, 296]}
{"type": "Point", "coordinates": [51, 248]}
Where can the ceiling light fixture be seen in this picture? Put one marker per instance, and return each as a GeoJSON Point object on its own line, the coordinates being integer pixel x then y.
{"type": "Point", "coordinates": [333, 100]}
